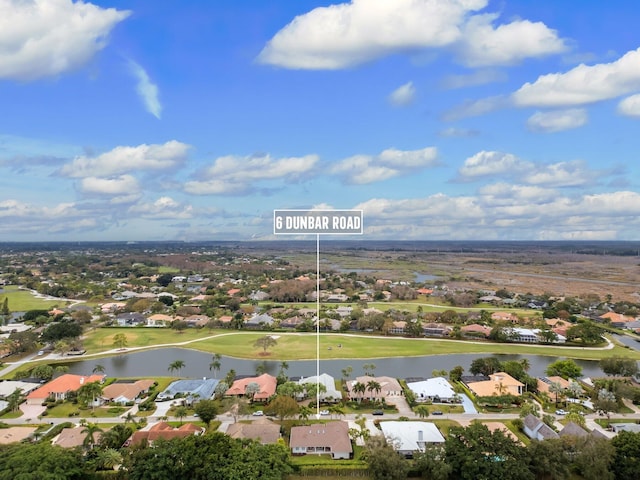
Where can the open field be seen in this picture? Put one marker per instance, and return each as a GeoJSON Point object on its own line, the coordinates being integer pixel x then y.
{"type": "Point", "coordinates": [23, 300]}
{"type": "Point", "coordinates": [299, 346]}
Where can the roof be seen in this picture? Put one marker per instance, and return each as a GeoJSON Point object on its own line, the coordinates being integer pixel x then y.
{"type": "Point", "coordinates": [410, 436]}
{"type": "Point", "coordinates": [432, 387]}
{"type": "Point", "coordinates": [263, 432]}
{"type": "Point", "coordinates": [329, 385]}
{"type": "Point", "coordinates": [9, 386]}
{"type": "Point", "coordinates": [334, 435]}
{"type": "Point", "coordinates": [573, 429]}
{"type": "Point", "coordinates": [203, 387]}
{"type": "Point", "coordinates": [491, 387]}
{"type": "Point", "coordinates": [165, 431]}
{"type": "Point", "coordinates": [266, 382]}
{"type": "Point", "coordinates": [64, 383]}
{"type": "Point", "coordinates": [15, 434]}
{"type": "Point", "coordinates": [126, 390]}
{"type": "Point", "coordinates": [73, 437]}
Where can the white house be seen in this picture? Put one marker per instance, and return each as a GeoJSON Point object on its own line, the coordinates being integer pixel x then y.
{"type": "Point", "coordinates": [436, 389]}
{"type": "Point", "coordinates": [409, 437]}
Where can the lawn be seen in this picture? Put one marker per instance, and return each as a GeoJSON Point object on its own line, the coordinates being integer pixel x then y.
{"type": "Point", "coordinates": [67, 409]}
{"type": "Point", "coordinates": [23, 300]}
{"type": "Point", "coordinates": [300, 346]}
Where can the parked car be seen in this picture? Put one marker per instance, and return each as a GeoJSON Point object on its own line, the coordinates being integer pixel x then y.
{"type": "Point", "coordinates": [377, 412]}
{"type": "Point", "coordinates": [324, 412]}
{"type": "Point", "coordinates": [561, 412]}
{"type": "Point", "coordinates": [437, 412]}
{"type": "Point", "coordinates": [258, 413]}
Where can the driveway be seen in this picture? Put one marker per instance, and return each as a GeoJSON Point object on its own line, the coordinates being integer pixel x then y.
{"type": "Point", "coordinates": [31, 411]}
{"type": "Point", "coordinates": [401, 404]}
{"type": "Point", "coordinates": [467, 404]}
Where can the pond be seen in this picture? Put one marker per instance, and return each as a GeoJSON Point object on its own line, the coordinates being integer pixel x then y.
{"type": "Point", "coordinates": [155, 363]}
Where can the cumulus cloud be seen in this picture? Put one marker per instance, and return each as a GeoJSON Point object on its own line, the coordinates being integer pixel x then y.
{"type": "Point", "coordinates": [583, 84]}
{"type": "Point", "coordinates": [162, 208]}
{"type": "Point", "coordinates": [363, 169]}
{"type": "Point", "coordinates": [42, 38]}
{"type": "Point", "coordinates": [128, 159]}
{"type": "Point", "coordinates": [147, 90]}
{"type": "Point", "coordinates": [506, 165]}
{"type": "Point", "coordinates": [630, 106]}
{"type": "Point", "coordinates": [348, 34]}
{"type": "Point", "coordinates": [124, 184]}
{"type": "Point", "coordinates": [557, 121]}
{"type": "Point", "coordinates": [486, 163]}
{"type": "Point", "coordinates": [403, 95]}
{"type": "Point", "coordinates": [504, 211]}
{"type": "Point", "coordinates": [236, 175]}
{"type": "Point", "coordinates": [483, 45]}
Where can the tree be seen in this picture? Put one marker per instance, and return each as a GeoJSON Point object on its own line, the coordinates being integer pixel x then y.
{"type": "Point", "coordinates": [42, 461]}
{"type": "Point", "coordinates": [61, 330]}
{"type": "Point", "coordinates": [369, 369]}
{"type": "Point", "coordinates": [119, 341]}
{"type": "Point", "coordinates": [422, 411]}
{"type": "Point", "coordinates": [115, 436]}
{"type": "Point", "coordinates": [89, 393]}
{"type": "Point", "coordinates": [221, 389]}
{"type": "Point", "coordinates": [593, 457]}
{"type": "Point", "coordinates": [485, 366]}
{"type": "Point", "coordinates": [176, 365]}
{"type": "Point", "coordinates": [265, 343]}
{"type": "Point", "coordinates": [626, 460]}
{"type": "Point", "coordinates": [43, 372]}
{"type": "Point", "coordinates": [438, 373]}
{"type": "Point", "coordinates": [283, 406]}
{"type": "Point", "coordinates": [180, 412]}
{"type": "Point", "coordinates": [251, 389]}
{"type": "Point", "coordinates": [474, 452]}
{"type": "Point", "coordinates": [206, 410]}
{"type": "Point", "coordinates": [216, 363]}
{"type": "Point", "coordinates": [261, 368]}
{"type": "Point", "coordinates": [284, 366]}
{"type": "Point", "coordinates": [359, 388]}
{"type": "Point", "coordinates": [622, 366]}
{"type": "Point", "coordinates": [606, 401]}
{"type": "Point", "coordinates": [564, 368]}
{"type": "Point", "coordinates": [383, 461]}
{"type": "Point", "coordinates": [430, 462]}
{"type": "Point", "coordinates": [455, 374]}
{"type": "Point", "coordinates": [109, 459]}
{"type": "Point", "coordinates": [557, 389]}
{"type": "Point", "coordinates": [230, 377]}
{"type": "Point", "coordinates": [346, 373]}
{"type": "Point", "coordinates": [548, 460]}
{"type": "Point", "coordinates": [90, 431]}
{"type": "Point", "coordinates": [14, 399]}
{"type": "Point", "coordinates": [98, 368]}
{"type": "Point", "coordinates": [374, 386]}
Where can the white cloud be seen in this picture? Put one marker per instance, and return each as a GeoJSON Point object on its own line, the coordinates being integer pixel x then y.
{"type": "Point", "coordinates": [348, 34]}
{"type": "Point", "coordinates": [557, 121]}
{"type": "Point", "coordinates": [504, 211]}
{"type": "Point", "coordinates": [506, 165]}
{"type": "Point", "coordinates": [485, 45]}
{"type": "Point", "coordinates": [235, 175]}
{"type": "Point", "coordinates": [147, 90]}
{"type": "Point", "coordinates": [124, 184]}
{"type": "Point", "coordinates": [487, 163]}
{"type": "Point", "coordinates": [476, 107]}
{"type": "Point", "coordinates": [583, 84]}
{"type": "Point", "coordinates": [403, 95]}
{"type": "Point", "coordinates": [128, 159]}
{"type": "Point", "coordinates": [630, 106]}
{"type": "Point", "coordinates": [364, 169]}
{"type": "Point", "coordinates": [41, 38]}
{"type": "Point", "coordinates": [162, 208]}
{"type": "Point", "coordinates": [458, 132]}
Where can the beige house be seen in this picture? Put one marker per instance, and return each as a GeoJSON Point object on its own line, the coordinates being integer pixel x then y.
{"type": "Point", "coordinates": [500, 383]}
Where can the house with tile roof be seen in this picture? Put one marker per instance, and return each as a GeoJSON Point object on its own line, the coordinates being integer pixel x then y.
{"type": "Point", "coordinates": [331, 438]}
{"type": "Point", "coordinates": [162, 430]}
{"type": "Point", "coordinates": [266, 387]}
{"type": "Point", "coordinates": [59, 387]}
{"type": "Point", "coordinates": [263, 431]}
{"type": "Point", "coordinates": [390, 387]}
{"type": "Point", "coordinates": [499, 383]}
{"type": "Point", "coordinates": [125, 392]}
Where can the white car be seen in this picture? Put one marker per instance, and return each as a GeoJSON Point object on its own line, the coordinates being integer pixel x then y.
{"type": "Point", "coordinates": [258, 413]}
{"type": "Point", "coordinates": [325, 412]}
{"type": "Point", "coordinates": [561, 412]}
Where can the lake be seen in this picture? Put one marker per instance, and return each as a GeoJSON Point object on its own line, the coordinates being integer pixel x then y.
{"type": "Point", "coordinates": [155, 363]}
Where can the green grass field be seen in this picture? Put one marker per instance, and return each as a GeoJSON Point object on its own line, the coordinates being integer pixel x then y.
{"type": "Point", "coordinates": [23, 300]}
{"type": "Point", "coordinates": [299, 346]}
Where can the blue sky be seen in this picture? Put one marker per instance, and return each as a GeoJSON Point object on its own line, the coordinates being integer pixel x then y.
{"type": "Point", "coordinates": [440, 119]}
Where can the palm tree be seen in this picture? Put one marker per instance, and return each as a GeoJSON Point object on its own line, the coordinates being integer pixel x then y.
{"type": "Point", "coordinates": [305, 412]}
{"type": "Point", "coordinates": [261, 368]}
{"type": "Point", "coordinates": [368, 369]}
{"type": "Point", "coordinates": [284, 366]}
{"type": "Point", "coordinates": [360, 388]}
{"type": "Point", "coordinates": [89, 393]}
{"type": "Point", "coordinates": [526, 365]}
{"type": "Point", "coordinates": [131, 418]}
{"type": "Point", "coordinates": [90, 435]}
{"type": "Point", "coordinates": [98, 368]}
{"type": "Point", "coordinates": [557, 389]}
{"type": "Point", "coordinates": [15, 399]}
{"type": "Point", "coordinates": [422, 411]}
{"type": "Point", "coordinates": [109, 459]}
{"type": "Point", "coordinates": [216, 363]}
{"type": "Point", "coordinates": [176, 365]}
{"type": "Point", "coordinates": [374, 386]}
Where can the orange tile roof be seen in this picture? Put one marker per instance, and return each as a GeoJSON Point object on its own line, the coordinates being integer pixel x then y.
{"type": "Point", "coordinates": [64, 383]}
{"type": "Point", "coordinates": [266, 382]}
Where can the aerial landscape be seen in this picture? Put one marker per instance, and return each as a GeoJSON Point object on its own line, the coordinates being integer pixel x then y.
{"type": "Point", "coordinates": [319, 239]}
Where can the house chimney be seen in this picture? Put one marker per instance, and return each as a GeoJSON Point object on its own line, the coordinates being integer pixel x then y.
{"type": "Point", "coordinates": [81, 380]}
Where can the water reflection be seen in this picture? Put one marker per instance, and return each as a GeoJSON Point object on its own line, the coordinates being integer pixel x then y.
{"type": "Point", "coordinates": [156, 363]}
